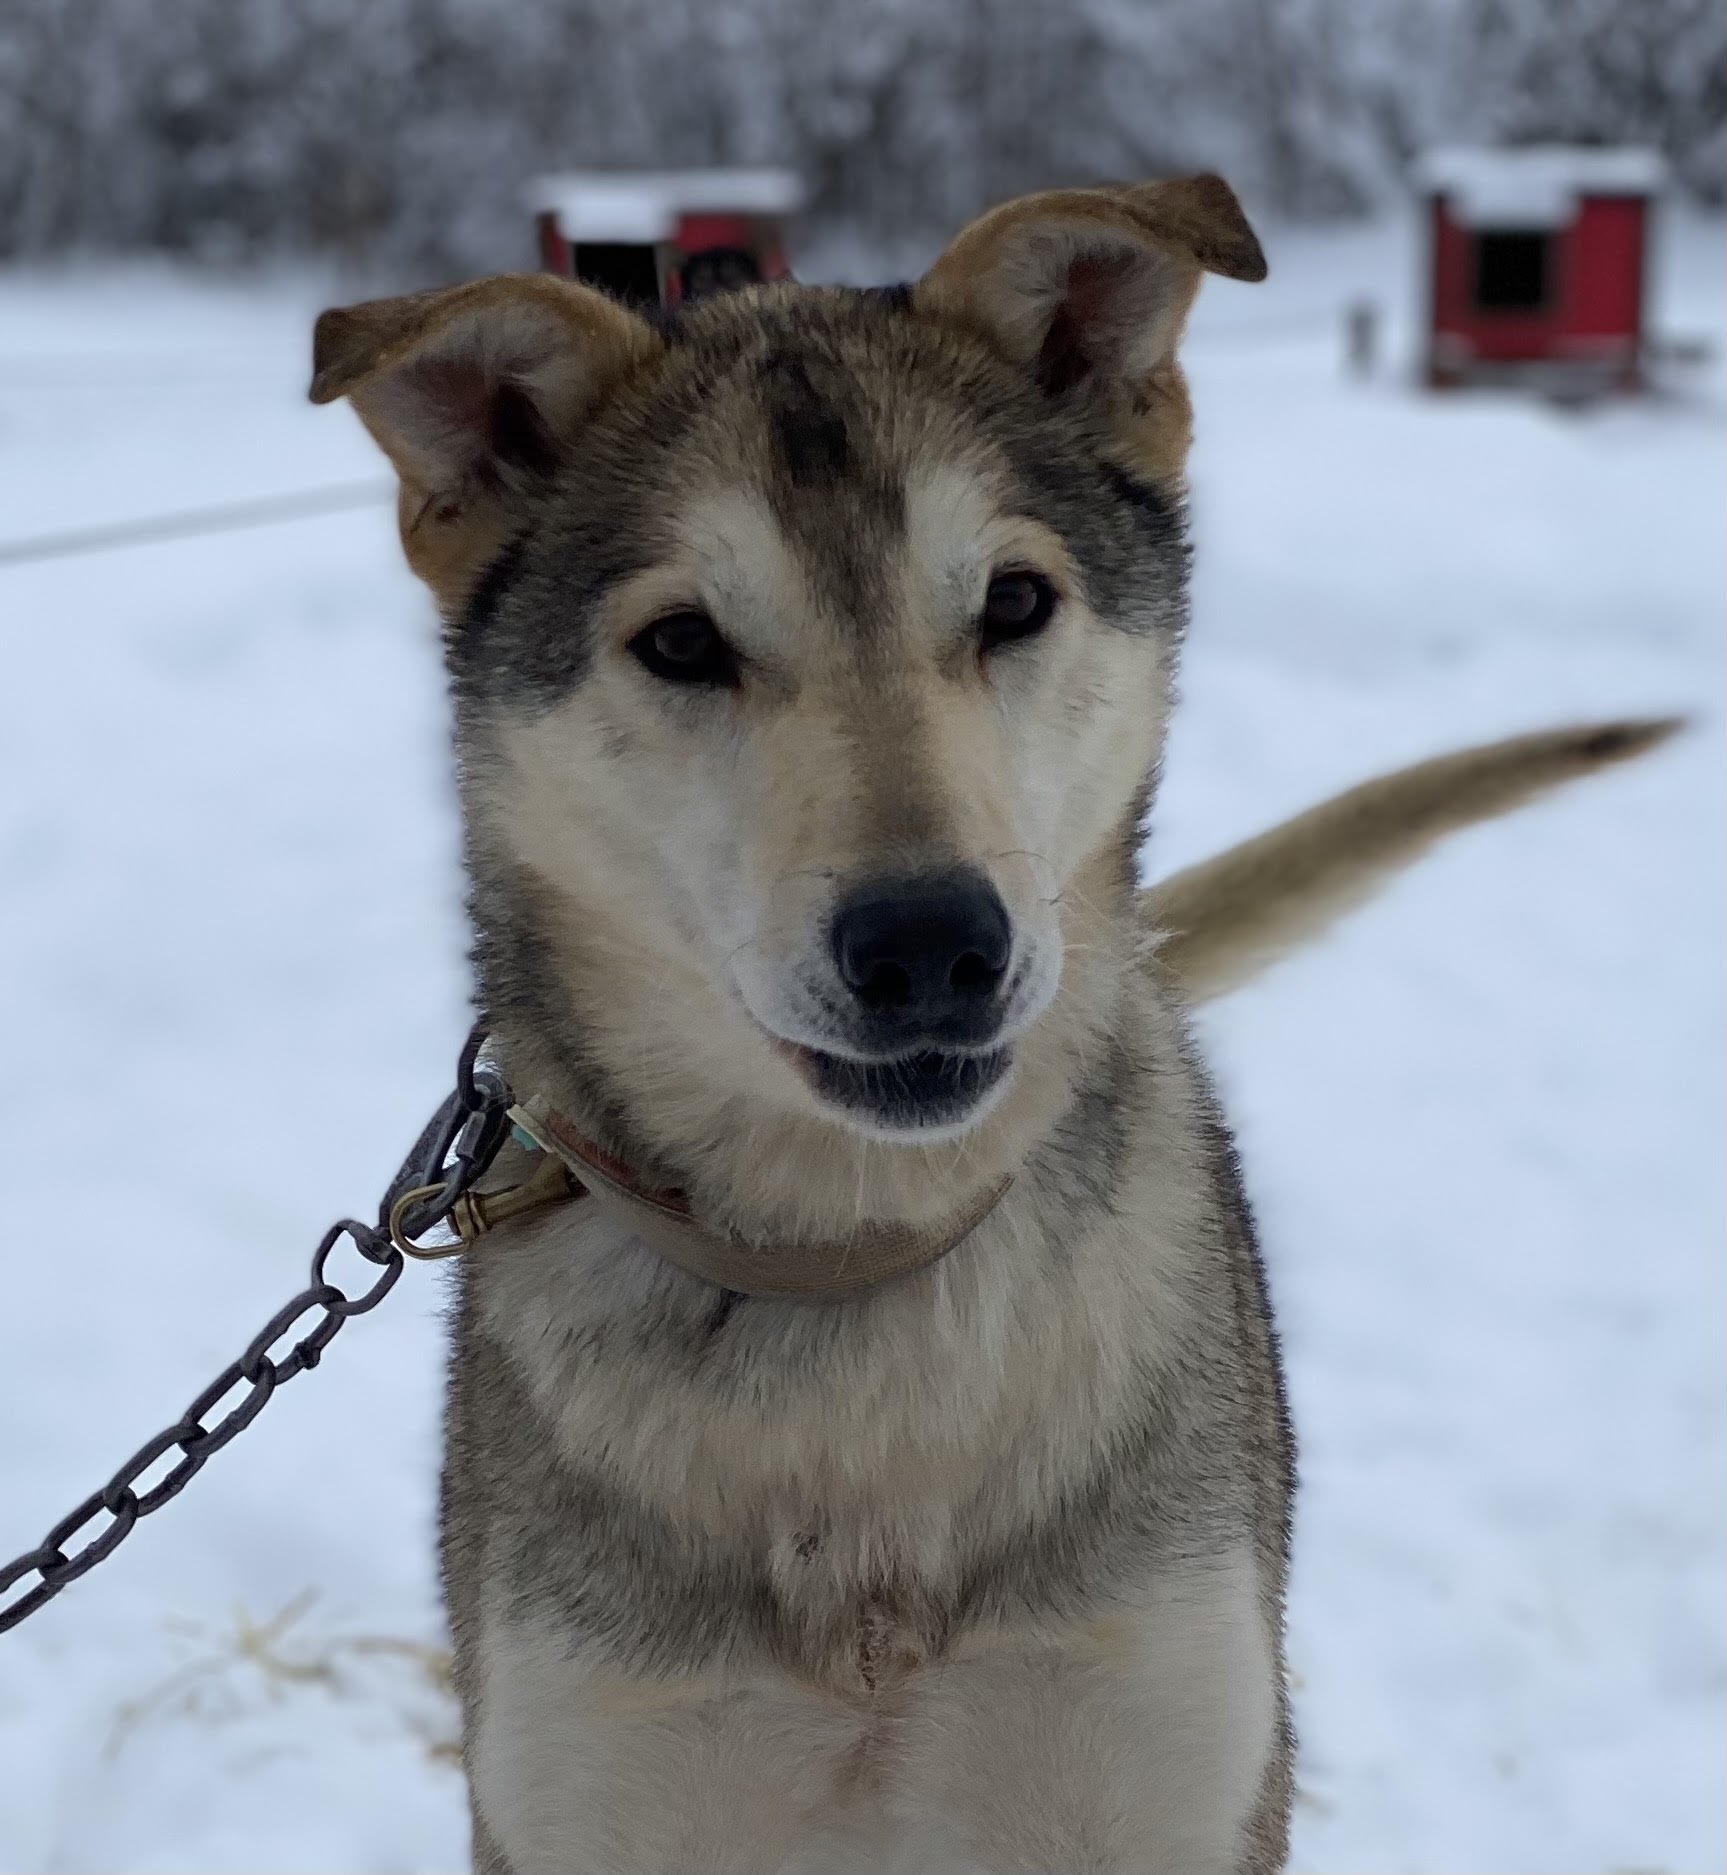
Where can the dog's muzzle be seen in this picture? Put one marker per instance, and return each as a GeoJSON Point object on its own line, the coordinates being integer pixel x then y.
{"type": "Point", "coordinates": [922, 963]}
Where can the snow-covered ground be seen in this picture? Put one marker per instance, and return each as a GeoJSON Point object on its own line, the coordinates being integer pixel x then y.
{"type": "Point", "coordinates": [1482, 1124]}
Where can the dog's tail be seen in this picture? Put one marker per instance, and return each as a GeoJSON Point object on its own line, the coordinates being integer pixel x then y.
{"type": "Point", "coordinates": [1218, 924]}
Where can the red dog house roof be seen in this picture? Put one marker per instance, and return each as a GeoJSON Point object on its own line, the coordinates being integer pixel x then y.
{"type": "Point", "coordinates": [1538, 262]}
{"type": "Point", "coordinates": [665, 236]}
{"type": "Point", "coordinates": [1539, 186]}
{"type": "Point", "coordinates": [647, 205]}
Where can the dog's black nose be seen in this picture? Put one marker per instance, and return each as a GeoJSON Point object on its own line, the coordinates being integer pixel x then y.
{"type": "Point", "coordinates": [926, 954]}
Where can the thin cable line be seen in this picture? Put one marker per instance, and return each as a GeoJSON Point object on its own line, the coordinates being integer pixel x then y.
{"type": "Point", "coordinates": [191, 522]}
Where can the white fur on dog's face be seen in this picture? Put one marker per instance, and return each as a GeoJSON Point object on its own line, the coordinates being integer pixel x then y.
{"type": "Point", "coordinates": [734, 821]}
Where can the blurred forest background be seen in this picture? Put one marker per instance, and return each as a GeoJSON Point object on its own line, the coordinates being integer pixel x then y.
{"type": "Point", "coordinates": [395, 135]}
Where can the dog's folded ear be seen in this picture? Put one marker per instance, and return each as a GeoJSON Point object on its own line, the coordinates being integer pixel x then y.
{"type": "Point", "coordinates": [1089, 289]}
{"type": "Point", "coordinates": [475, 393]}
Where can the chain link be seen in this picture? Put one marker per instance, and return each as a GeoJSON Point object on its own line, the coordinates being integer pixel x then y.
{"type": "Point", "coordinates": [453, 1152]}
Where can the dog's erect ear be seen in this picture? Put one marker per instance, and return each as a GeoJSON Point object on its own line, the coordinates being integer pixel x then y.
{"type": "Point", "coordinates": [1091, 288]}
{"type": "Point", "coordinates": [475, 393]}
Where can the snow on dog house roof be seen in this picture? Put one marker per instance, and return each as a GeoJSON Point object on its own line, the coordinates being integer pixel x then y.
{"type": "Point", "coordinates": [646, 205]}
{"type": "Point", "coordinates": [1534, 187]}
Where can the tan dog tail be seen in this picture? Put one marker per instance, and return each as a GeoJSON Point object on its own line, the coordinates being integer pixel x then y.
{"type": "Point", "coordinates": [1220, 923]}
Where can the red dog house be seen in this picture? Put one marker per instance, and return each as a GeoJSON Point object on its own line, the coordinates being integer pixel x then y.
{"type": "Point", "coordinates": [662, 237]}
{"type": "Point", "coordinates": [1539, 265]}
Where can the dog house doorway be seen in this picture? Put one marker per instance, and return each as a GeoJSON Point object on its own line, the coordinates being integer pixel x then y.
{"type": "Point", "coordinates": [1513, 268]}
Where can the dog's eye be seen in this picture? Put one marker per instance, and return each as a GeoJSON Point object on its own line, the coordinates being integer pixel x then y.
{"type": "Point", "coordinates": [1016, 606]}
{"type": "Point", "coordinates": [686, 648]}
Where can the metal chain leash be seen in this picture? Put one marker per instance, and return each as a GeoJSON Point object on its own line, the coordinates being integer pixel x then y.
{"type": "Point", "coordinates": [457, 1146]}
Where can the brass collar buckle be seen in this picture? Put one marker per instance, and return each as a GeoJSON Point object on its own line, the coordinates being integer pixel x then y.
{"type": "Point", "coordinates": [474, 1213]}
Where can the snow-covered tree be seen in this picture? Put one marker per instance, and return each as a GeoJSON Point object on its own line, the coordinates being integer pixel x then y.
{"type": "Point", "coordinates": [398, 135]}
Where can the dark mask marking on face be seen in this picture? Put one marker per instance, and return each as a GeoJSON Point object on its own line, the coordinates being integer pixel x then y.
{"type": "Point", "coordinates": [489, 591]}
{"type": "Point", "coordinates": [810, 438]}
{"type": "Point", "coordinates": [1150, 500]}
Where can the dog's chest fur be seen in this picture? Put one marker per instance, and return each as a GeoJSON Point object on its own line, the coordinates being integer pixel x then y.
{"type": "Point", "coordinates": [675, 1481]}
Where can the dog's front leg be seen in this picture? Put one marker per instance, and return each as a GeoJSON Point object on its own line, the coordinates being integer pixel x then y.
{"type": "Point", "coordinates": [575, 1769]}
{"type": "Point", "coordinates": [1149, 1742]}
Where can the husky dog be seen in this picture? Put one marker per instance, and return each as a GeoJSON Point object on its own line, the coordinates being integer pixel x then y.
{"type": "Point", "coordinates": [892, 1472]}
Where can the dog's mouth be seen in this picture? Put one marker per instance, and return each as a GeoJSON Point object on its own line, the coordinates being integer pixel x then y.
{"type": "Point", "coordinates": [909, 1093]}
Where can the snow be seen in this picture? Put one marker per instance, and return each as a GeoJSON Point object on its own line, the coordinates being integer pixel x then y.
{"type": "Point", "coordinates": [1536, 186]}
{"type": "Point", "coordinates": [1481, 1124]}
